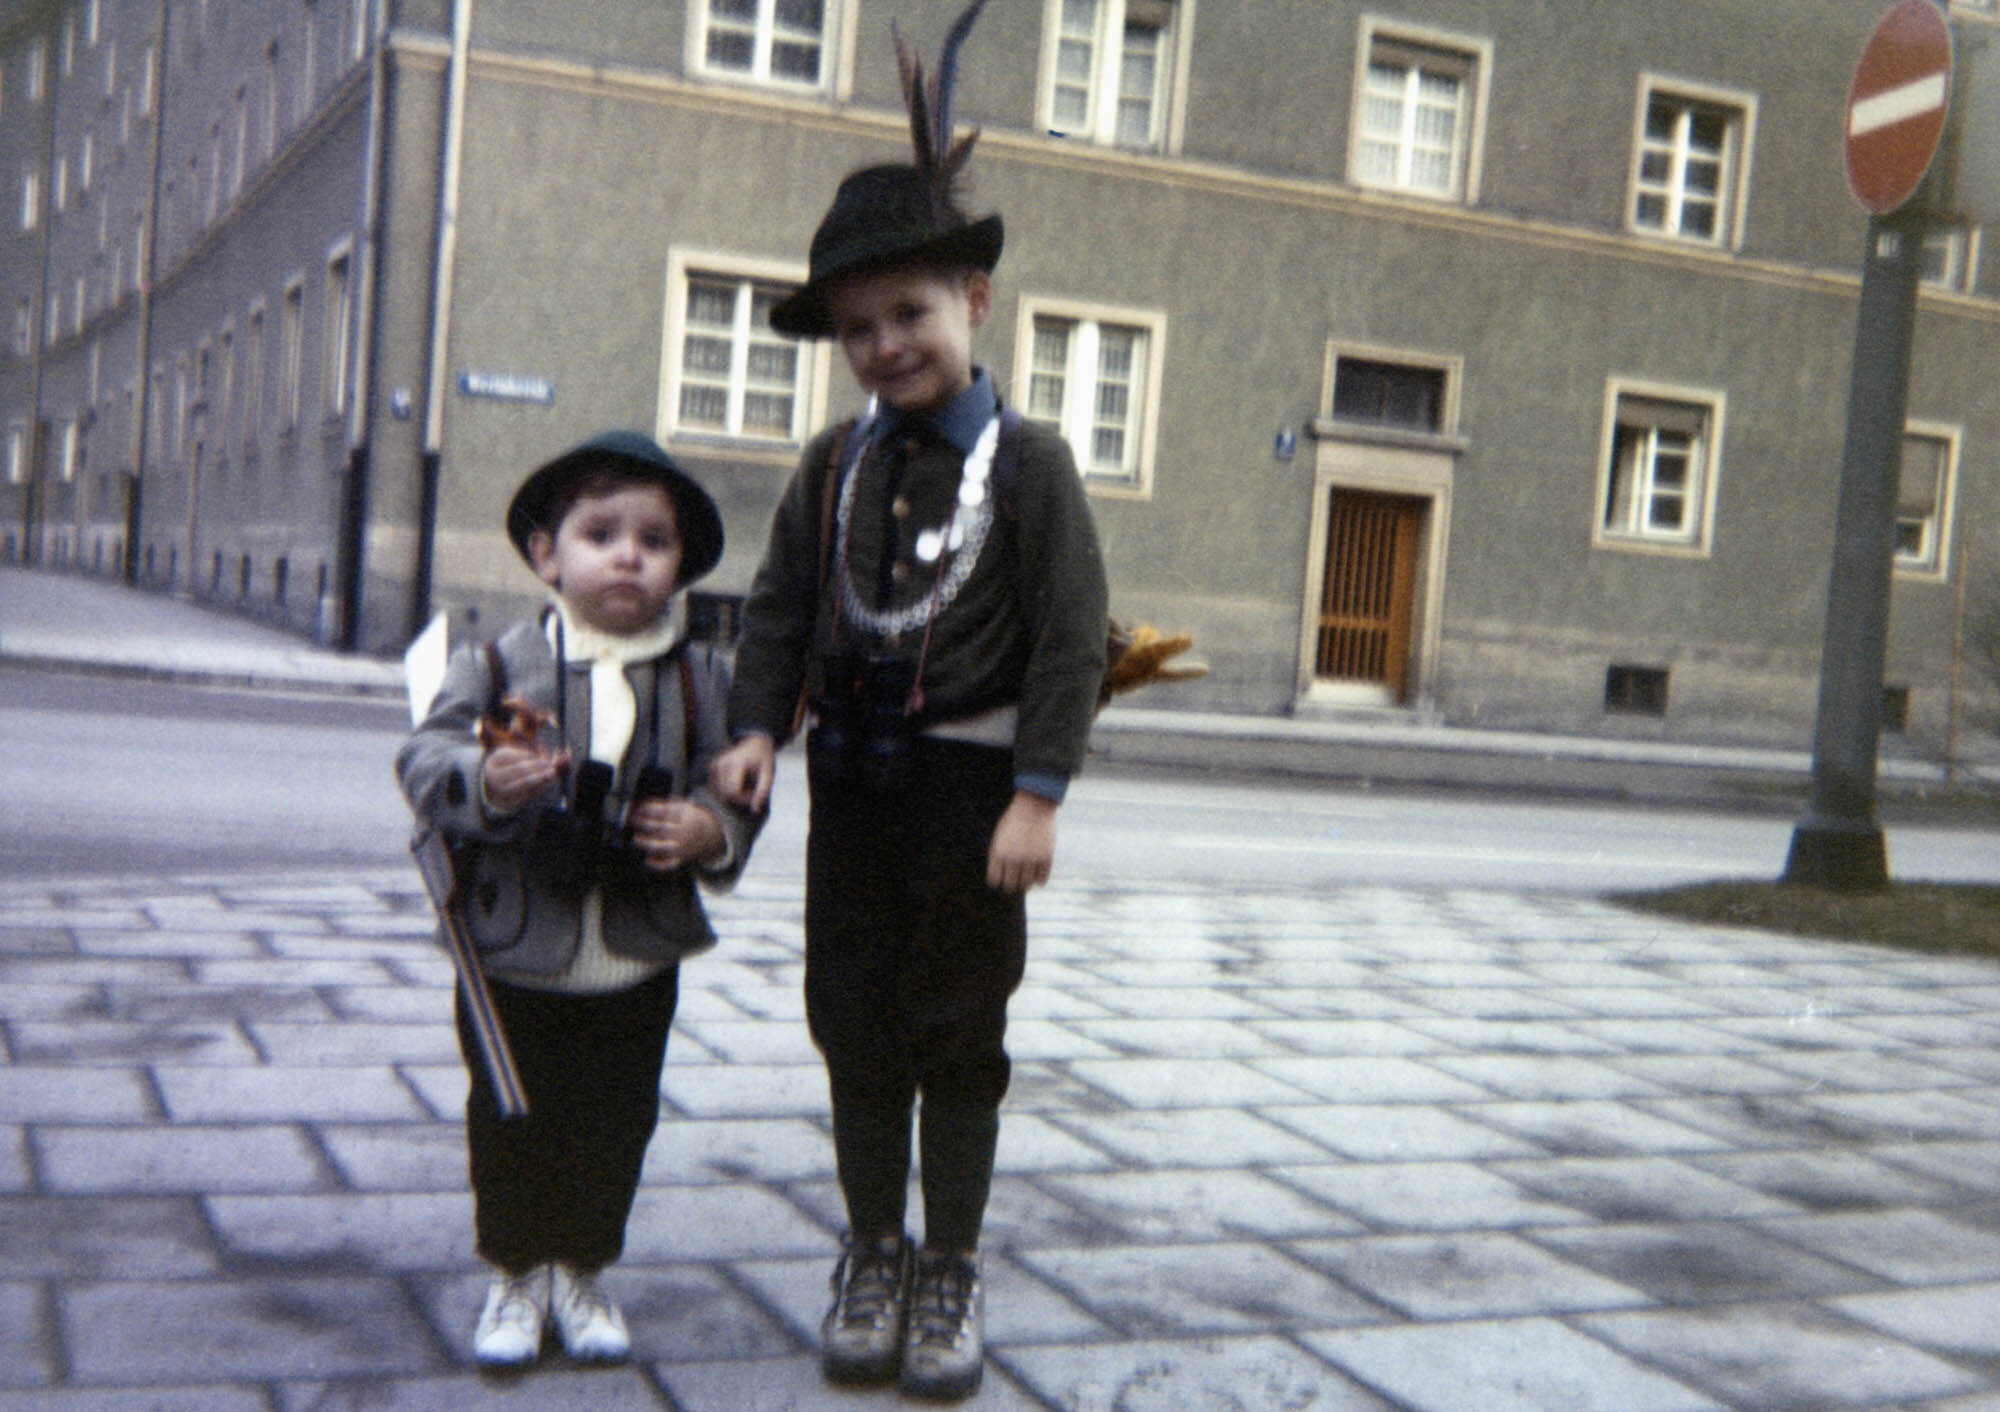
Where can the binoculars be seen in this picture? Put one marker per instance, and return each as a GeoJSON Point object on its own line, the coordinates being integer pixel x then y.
{"type": "Point", "coordinates": [864, 732]}
{"type": "Point", "coordinates": [590, 834]}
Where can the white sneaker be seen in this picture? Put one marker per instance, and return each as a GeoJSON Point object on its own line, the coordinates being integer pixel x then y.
{"type": "Point", "coordinates": [592, 1329]}
{"type": "Point", "coordinates": [509, 1333]}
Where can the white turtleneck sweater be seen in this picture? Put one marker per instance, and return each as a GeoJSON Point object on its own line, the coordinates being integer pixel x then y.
{"type": "Point", "coordinates": [614, 714]}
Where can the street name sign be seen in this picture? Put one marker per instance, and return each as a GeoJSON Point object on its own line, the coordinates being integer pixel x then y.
{"type": "Point", "coordinates": [1897, 105]}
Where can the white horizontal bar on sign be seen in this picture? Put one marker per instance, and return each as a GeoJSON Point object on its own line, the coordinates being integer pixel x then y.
{"type": "Point", "coordinates": [1898, 104]}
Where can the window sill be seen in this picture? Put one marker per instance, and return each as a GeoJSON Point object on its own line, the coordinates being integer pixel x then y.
{"type": "Point", "coordinates": [1370, 433]}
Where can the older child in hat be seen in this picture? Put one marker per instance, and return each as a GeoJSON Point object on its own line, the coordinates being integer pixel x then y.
{"type": "Point", "coordinates": [933, 586]}
{"type": "Point", "coordinates": [579, 840]}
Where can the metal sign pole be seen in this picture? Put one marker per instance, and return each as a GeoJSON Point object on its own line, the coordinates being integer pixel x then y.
{"type": "Point", "coordinates": [1838, 844]}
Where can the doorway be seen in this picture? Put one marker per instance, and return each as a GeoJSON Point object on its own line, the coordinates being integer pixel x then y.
{"type": "Point", "coordinates": [1368, 594]}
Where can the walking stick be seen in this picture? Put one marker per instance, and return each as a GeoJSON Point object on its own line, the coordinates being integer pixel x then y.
{"type": "Point", "coordinates": [434, 862]}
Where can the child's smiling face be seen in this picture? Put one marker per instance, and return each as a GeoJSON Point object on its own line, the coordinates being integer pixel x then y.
{"type": "Point", "coordinates": [907, 334]}
{"type": "Point", "coordinates": [615, 558]}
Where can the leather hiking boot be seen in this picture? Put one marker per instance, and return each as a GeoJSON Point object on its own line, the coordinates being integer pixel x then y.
{"type": "Point", "coordinates": [944, 1351]}
{"type": "Point", "coordinates": [861, 1340]}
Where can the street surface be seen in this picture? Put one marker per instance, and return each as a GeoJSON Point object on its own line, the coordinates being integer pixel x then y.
{"type": "Point", "coordinates": [1324, 1100]}
{"type": "Point", "coordinates": [112, 776]}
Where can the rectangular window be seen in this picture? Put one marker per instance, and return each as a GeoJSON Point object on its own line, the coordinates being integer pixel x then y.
{"type": "Point", "coordinates": [31, 198]}
{"type": "Point", "coordinates": [1095, 378]}
{"type": "Point", "coordinates": [38, 64]}
{"type": "Point", "coordinates": [333, 354]}
{"type": "Point", "coordinates": [773, 41]}
{"type": "Point", "coordinates": [17, 454]}
{"type": "Point", "coordinates": [1687, 169]}
{"type": "Point", "coordinates": [735, 376]}
{"type": "Point", "coordinates": [24, 326]}
{"type": "Point", "coordinates": [291, 355]}
{"type": "Point", "coordinates": [59, 186]}
{"type": "Point", "coordinates": [85, 161]}
{"type": "Point", "coordinates": [1109, 64]}
{"type": "Point", "coordinates": [1417, 98]}
{"type": "Point", "coordinates": [1924, 485]}
{"type": "Point", "coordinates": [1635, 691]}
{"type": "Point", "coordinates": [1658, 480]}
{"type": "Point", "coordinates": [70, 450]}
{"type": "Point", "coordinates": [1386, 394]}
{"type": "Point", "coordinates": [308, 90]}
{"type": "Point", "coordinates": [223, 419]}
{"type": "Point", "coordinates": [181, 407]}
{"type": "Point", "coordinates": [1950, 259]}
{"type": "Point", "coordinates": [253, 375]}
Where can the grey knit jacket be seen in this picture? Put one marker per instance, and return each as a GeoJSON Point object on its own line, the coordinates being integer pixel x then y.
{"type": "Point", "coordinates": [520, 893]}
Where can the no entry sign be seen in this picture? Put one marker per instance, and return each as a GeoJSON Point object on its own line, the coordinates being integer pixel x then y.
{"type": "Point", "coordinates": [1897, 104]}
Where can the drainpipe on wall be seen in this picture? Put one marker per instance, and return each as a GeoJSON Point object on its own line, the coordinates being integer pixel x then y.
{"type": "Point", "coordinates": [32, 502]}
{"type": "Point", "coordinates": [351, 545]}
{"type": "Point", "coordinates": [436, 374]}
{"type": "Point", "coordinates": [142, 373]}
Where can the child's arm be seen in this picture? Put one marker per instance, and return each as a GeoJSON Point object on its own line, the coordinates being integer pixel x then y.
{"type": "Point", "coordinates": [673, 833]}
{"type": "Point", "coordinates": [451, 783]}
{"type": "Point", "coordinates": [1024, 844]}
{"type": "Point", "coordinates": [743, 774]}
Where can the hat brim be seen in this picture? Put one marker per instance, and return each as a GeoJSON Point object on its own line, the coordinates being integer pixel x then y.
{"type": "Point", "coordinates": [695, 514]}
{"type": "Point", "coordinates": [807, 313]}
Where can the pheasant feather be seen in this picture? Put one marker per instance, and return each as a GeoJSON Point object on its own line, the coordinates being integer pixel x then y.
{"type": "Point", "coordinates": [938, 157]}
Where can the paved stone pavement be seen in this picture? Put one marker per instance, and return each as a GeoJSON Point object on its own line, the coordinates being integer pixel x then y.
{"type": "Point", "coordinates": [1438, 1151]}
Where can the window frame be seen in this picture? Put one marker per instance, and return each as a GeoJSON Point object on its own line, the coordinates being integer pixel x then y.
{"type": "Point", "coordinates": [746, 274]}
{"type": "Point", "coordinates": [291, 353]}
{"type": "Point", "coordinates": [1104, 94]}
{"type": "Point", "coordinates": [1733, 196]}
{"type": "Point", "coordinates": [1698, 540]}
{"type": "Point", "coordinates": [1076, 421]}
{"type": "Point", "coordinates": [1450, 367]}
{"type": "Point", "coordinates": [1962, 246]}
{"type": "Point", "coordinates": [1935, 566]}
{"type": "Point", "coordinates": [336, 330]}
{"type": "Point", "coordinates": [1475, 53]}
{"type": "Point", "coordinates": [835, 44]}
{"type": "Point", "coordinates": [253, 372]}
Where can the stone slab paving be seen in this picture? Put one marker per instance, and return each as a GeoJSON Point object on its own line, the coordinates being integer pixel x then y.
{"type": "Point", "coordinates": [1400, 1150]}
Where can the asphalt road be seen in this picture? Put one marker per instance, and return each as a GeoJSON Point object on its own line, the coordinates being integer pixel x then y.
{"type": "Point", "coordinates": [108, 776]}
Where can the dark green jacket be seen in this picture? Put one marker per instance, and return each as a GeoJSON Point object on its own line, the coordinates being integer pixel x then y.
{"type": "Point", "coordinates": [1026, 629]}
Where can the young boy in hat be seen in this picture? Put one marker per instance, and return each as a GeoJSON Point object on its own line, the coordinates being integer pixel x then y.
{"type": "Point", "coordinates": [579, 838]}
{"type": "Point", "coordinates": [933, 586]}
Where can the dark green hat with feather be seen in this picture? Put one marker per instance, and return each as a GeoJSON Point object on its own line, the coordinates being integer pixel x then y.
{"type": "Point", "coordinates": [900, 214]}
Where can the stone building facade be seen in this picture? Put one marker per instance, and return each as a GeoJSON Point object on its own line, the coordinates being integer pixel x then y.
{"type": "Point", "coordinates": [1479, 360]}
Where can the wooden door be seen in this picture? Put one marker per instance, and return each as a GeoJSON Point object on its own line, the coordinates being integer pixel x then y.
{"type": "Point", "coordinates": [1367, 602]}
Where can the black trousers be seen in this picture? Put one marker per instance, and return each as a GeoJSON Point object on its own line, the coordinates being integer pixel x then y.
{"type": "Point", "coordinates": [910, 960]}
{"type": "Point", "coordinates": [558, 1184]}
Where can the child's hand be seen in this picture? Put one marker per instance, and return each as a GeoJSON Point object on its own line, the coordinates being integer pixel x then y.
{"type": "Point", "coordinates": [743, 773]}
{"type": "Point", "coordinates": [672, 833]}
{"type": "Point", "coordinates": [1024, 844]}
{"type": "Point", "coordinates": [512, 775]}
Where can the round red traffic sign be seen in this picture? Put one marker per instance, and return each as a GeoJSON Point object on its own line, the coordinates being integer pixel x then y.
{"type": "Point", "coordinates": [1897, 104]}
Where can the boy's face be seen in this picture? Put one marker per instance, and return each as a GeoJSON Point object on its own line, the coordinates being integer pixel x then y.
{"type": "Point", "coordinates": [615, 558]}
{"type": "Point", "coordinates": [907, 334]}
